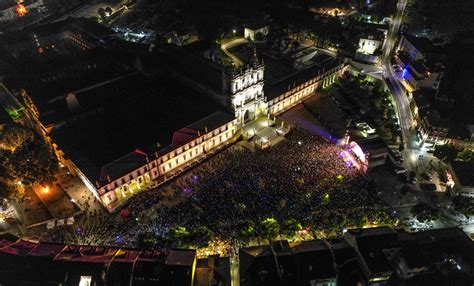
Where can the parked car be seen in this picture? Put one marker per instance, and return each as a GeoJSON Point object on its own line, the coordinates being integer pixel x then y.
{"type": "Point", "coordinates": [400, 170]}
{"type": "Point", "coordinates": [427, 176]}
{"type": "Point", "coordinates": [412, 177]}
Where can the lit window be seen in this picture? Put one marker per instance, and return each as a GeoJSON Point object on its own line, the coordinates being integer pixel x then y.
{"type": "Point", "coordinates": [85, 281]}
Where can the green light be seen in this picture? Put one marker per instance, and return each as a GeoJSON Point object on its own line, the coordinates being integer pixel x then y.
{"type": "Point", "coordinates": [325, 199]}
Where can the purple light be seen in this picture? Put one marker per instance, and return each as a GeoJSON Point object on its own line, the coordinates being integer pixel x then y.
{"type": "Point", "coordinates": [405, 72]}
{"type": "Point", "coordinates": [188, 190]}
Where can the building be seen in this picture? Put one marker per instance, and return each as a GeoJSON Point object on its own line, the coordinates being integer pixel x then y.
{"type": "Point", "coordinates": [431, 128]}
{"type": "Point", "coordinates": [102, 93]}
{"type": "Point", "coordinates": [462, 175]}
{"type": "Point", "coordinates": [282, 263]}
{"type": "Point", "coordinates": [371, 245]}
{"type": "Point", "coordinates": [38, 263]}
{"type": "Point", "coordinates": [11, 9]}
{"type": "Point", "coordinates": [375, 150]}
{"type": "Point", "coordinates": [372, 256]}
{"type": "Point", "coordinates": [369, 42]}
{"type": "Point", "coordinates": [254, 32]}
{"type": "Point", "coordinates": [415, 74]}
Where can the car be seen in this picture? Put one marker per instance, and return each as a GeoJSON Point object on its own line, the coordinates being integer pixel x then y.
{"type": "Point", "coordinates": [412, 177]}
{"type": "Point", "coordinates": [426, 176]}
{"type": "Point", "coordinates": [399, 158]}
{"type": "Point", "coordinates": [400, 170]}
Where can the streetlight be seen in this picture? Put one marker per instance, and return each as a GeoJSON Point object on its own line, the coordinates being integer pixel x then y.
{"type": "Point", "coordinates": [45, 190]}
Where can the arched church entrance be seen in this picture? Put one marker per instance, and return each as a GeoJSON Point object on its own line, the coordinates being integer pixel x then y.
{"type": "Point", "coordinates": [247, 116]}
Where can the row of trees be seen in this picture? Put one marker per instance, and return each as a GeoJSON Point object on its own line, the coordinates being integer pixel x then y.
{"type": "Point", "coordinates": [25, 158]}
{"type": "Point", "coordinates": [463, 205]}
{"type": "Point", "coordinates": [450, 152]}
{"type": "Point", "coordinates": [267, 229]}
{"type": "Point", "coordinates": [425, 213]}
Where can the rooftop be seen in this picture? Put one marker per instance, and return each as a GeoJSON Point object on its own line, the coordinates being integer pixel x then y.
{"type": "Point", "coordinates": [371, 242]}
{"type": "Point", "coordinates": [464, 172]}
{"type": "Point", "coordinates": [138, 113]}
{"type": "Point", "coordinates": [321, 63]}
{"type": "Point", "coordinates": [423, 45]}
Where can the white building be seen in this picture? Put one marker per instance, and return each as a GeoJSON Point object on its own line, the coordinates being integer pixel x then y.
{"type": "Point", "coordinates": [255, 33]}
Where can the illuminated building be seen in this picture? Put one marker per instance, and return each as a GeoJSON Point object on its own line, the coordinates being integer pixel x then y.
{"type": "Point", "coordinates": [255, 32]}
{"type": "Point", "coordinates": [420, 62]}
{"type": "Point", "coordinates": [201, 106]}
{"type": "Point", "coordinates": [369, 42]}
{"type": "Point", "coordinates": [11, 9]}
{"type": "Point", "coordinates": [371, 152]}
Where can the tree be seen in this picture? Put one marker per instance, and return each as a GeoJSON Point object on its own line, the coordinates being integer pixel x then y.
{"type": "Point", "coordinates": [146, 240]}
{"type": "Point", "coordinates": [382, 218]}
{"type": "Point", "coordinates": [270, 228]}
{"type": "Point", "coordinates": [101, 13]}
{"type": "Point", "coordinates": [13, 136]}
{"type": "Point", "coordinates": [463, 205]}
{"type": "Point", "coordinates": [466, 155]}
{"type": "Point", "coordinates": [357, 219]}
{"type": "Point", "coordinates": [180, 235]}
{"type": "Point", "coordinates": [290, 227]}
{"type": "Point", "coordinates": [33, 162]}
{"type": "Point", "coordinates": [201, 236]}
{"type": "Point", "coordinates": [425, 213]}
{"type": "Point", "coordinates": [446, 152]}
{"type": "Point", "coordinates": [245, 231]}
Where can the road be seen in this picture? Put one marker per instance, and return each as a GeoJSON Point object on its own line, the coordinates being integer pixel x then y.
{"type": "Point", "coordinates": [231, 44]}
{"type": "Point", "coordinates": [410, 139]}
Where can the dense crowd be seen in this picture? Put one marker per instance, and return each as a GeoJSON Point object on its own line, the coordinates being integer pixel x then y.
{"type": "Point", "coordinates": [304, 177]}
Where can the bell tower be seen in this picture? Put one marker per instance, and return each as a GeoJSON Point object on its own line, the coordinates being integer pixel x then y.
{"type": "Point", "coordinates": [246, 89]}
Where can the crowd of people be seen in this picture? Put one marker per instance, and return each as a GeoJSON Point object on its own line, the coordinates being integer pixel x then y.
{"type": "Point", "coordinates": [304, 177]}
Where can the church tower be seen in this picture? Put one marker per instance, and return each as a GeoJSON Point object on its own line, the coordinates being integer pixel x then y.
{"type": "Point", "coordinates": [245, 89]}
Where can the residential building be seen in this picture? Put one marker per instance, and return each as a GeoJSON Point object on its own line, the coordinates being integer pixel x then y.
{"type": "Point", "coordinates": [371, 245]}
{"type": "Point", "coordinates": [255, 32]}
{"type": "Point", "coordinates": [462, 173]}
{"type": "Point", "coordinates": [371, 41]}
{"type": "Point", "coordinates": [370, 256]}
{"type": "Point", "coordinates": [420, 62]}
{"type": "Point", "coordinates": [26, 262]}
{"type": "Point", "coordinates": [284, 263]}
